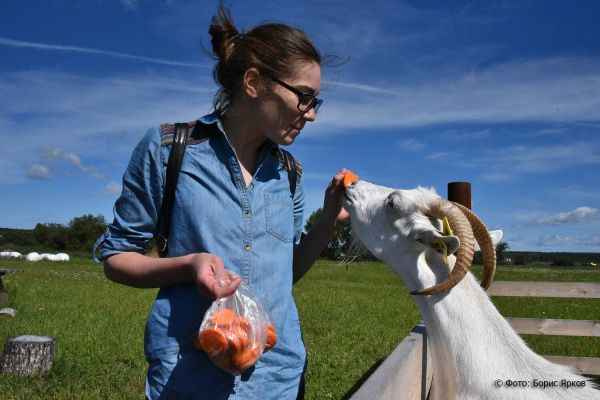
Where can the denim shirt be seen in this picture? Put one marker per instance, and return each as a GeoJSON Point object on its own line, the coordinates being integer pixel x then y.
{"type": "Point", "coordinates": [253, 229]}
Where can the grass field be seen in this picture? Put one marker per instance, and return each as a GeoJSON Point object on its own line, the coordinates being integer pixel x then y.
{"type": "Point", "coordinates": [352, 319]}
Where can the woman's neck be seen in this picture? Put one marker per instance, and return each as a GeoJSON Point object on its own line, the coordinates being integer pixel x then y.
{"type": "Point", "coordinates": [244, 140]}
{"type": "Point", "coordinates": [240, 133]}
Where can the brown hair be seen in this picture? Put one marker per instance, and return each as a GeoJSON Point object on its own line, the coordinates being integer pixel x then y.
{"type": "Point", "coordinates": [270, 48]}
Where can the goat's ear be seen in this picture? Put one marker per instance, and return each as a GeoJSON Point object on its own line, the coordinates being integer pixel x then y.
{"type": "Point", "coordinates": [437, 241]}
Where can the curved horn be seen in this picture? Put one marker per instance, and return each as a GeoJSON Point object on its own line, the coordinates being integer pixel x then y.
{"type": "Point", "coordinates": [464, 254]}
{"type": "Point", "coordinates": [482, 235]}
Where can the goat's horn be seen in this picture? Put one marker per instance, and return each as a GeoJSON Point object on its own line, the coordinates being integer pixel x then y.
{"type": "Point", "coordinates": [482, 235]}
{"type": "Point", "coordinates": [464, 254]}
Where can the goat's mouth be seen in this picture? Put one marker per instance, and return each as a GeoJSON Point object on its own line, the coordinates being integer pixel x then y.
{"type": "Point", "coordinates": [347, 198]}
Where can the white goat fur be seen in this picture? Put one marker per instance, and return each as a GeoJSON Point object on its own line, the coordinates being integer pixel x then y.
{"type": "Point", "coordinates": [471, 344]}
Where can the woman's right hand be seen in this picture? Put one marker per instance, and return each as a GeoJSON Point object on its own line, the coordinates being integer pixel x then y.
{"type": "Point", "coordinates": [210, 276]}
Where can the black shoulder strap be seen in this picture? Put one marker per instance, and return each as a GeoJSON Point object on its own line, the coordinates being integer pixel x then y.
{"type": "Point", "coordinates": [172, 176]}
{"type": "Point", "coordinates": [290, 166]}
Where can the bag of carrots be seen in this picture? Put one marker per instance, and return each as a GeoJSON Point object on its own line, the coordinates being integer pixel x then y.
{"type": "Point", "coordinates": [236, 331]}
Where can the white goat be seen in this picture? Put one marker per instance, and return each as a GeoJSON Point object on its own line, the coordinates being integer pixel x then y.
{"type": "Point", "coordinates": [474, 350]}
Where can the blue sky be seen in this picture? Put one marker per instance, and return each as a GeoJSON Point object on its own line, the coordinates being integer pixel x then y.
{"type": "Point", "coordinates": [503, 94]}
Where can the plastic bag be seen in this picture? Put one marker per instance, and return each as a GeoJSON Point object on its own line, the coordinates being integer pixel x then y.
{"type": "Point", "coordinates": [236, 331]}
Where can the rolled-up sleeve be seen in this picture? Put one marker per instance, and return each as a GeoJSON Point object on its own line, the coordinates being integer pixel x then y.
{"type": "Point", "coordinates": [136, 210]}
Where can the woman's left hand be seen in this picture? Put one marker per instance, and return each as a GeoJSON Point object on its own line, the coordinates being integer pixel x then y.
{"type": "Point", "coordinates": [333, 211]}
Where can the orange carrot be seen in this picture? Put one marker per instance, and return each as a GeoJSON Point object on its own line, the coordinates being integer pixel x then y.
{"type": "Point", "coordinates": [212, 341]}
{"type": "Point", "coordinates": [271, 338]}
{"type": "Point", "coordinates": [245, 359]}
{"type": "Point", "coordinates": [231, 342]}
{"type": "Point", "coordinates": [223, 317]}
{"type": "Point", "coordinates": [349, 178]}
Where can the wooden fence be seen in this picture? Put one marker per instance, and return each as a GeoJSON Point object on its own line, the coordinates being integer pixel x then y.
{"type": "Point", "coordinates": [400, 376]}
{"type": "Point", "coordinates": [557, 327]}
{"type": "Point", "coordinates": [407, 373]}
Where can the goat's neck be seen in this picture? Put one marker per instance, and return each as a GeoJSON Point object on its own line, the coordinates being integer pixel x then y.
{"type": "Point", "coordinates": [471, 343]}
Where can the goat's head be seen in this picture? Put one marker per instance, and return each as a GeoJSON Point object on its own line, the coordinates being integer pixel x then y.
{"type": "Point", "coordinates": [395, 224]}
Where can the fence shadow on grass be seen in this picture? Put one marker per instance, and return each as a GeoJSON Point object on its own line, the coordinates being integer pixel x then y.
{"type": "Point", "coordinates": [363, 379]}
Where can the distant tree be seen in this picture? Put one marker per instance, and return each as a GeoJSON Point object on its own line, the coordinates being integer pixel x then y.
{"type": "Point", "coordinates": [41, 233]}
{"type": "Point", "coordinates": [501, 248]}
{"type": "Point", "coordinates": [83, 231]}
{"type": "Point", "coordinates": [477, 258]}
{"type": "Point", "coordinates": [519, 260]}
{"type": "Point", "coordinates": [562, 262]}
{"type": "Point", "coordinates": [50, 236]}
{"type": "Point", "coordinates": [338, 245]}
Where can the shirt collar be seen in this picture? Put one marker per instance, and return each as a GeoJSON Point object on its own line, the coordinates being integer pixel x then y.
{"type": "Point", "coordinates": [266, 148]}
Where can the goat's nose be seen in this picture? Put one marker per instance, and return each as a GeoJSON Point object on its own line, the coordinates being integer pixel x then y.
{"type": "Point", "coordinates": [350, 179]}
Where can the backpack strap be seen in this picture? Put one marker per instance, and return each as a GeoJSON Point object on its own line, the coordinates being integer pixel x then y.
{"type": "Point", "coordinates": [289, 164]}
{"type": "Point", "coordinates": [181, 132]}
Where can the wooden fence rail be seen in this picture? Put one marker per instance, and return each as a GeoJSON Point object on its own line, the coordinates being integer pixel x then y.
{"type": "Point", "coordinates": [579, 290]}
{"type": "Point", "coordinates": [557, 327]}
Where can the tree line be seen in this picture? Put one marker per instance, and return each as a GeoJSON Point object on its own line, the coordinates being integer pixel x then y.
{"type": "Point", "coordinates": [77, 236]}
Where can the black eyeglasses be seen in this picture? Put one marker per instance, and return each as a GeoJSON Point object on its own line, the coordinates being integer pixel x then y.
{"type": "Point", "coordinates": [305, 101]}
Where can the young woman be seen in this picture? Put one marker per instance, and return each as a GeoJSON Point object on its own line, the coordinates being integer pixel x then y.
{"type": "Point", "coordinates": [234, 216]}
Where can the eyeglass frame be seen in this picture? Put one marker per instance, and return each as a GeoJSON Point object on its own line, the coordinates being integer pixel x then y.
{"type": "Point", "coordinates": [315, 103]}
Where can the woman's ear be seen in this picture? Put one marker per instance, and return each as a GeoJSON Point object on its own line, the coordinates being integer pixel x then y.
{"type": "Point", "coordinates": [252, 83]}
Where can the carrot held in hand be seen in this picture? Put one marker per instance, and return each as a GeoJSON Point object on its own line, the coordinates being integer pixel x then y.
{"type": "Point", "coordinates": [349, 179]}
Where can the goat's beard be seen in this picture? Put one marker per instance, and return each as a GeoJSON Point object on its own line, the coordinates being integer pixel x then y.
{"type": "Point", "coordinates": [353, 248]}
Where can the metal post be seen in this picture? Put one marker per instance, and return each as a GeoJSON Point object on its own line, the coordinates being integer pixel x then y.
{"type": "Point", "coordinates": [424, 393]}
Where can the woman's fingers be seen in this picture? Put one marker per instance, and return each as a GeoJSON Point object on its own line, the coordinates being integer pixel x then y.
{"type": "Point", "coordinates": [212, 278]}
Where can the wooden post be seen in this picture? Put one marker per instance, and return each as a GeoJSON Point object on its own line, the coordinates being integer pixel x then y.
{"type": "Point", "coordinates": [460, 192]}
{"type": "Point", "coordinates": [28, 355]}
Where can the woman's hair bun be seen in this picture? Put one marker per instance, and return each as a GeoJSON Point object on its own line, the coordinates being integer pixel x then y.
{"type": "Point", "coordinates": [223, 33]}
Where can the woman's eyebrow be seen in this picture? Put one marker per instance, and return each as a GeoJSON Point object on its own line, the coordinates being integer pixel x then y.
{"type": "Point", "coordinates": [306, 89]}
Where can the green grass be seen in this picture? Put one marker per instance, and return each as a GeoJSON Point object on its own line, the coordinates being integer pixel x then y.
{"type": "Point", "coordinates": [352, 319]}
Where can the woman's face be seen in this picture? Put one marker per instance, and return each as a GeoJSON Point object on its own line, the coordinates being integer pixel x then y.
{"type": "Point", "coordinates": [280, 120]}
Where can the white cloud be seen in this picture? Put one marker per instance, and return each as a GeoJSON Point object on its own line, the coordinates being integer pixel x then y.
{"type": "Point", "coordinates": [562, 90]}
{"type": "Point", "coordinates": [554, 240]}
{"type": "Point", "coordinates": [575, 192]}
{"type": "Point", "coordinates": [513, 162]}
{"type": "Point", "coordinates": [578, 215]}
{"type": "Point", "coordinates": [113, 188]}
{"type": "Point", "coordinates": [51, 153]}
{"type": "Point", "coordinates": [455, 135]}
{"type": "Point", "coordinates": [101, 119]}
{"type": "Point", "coordinates": [497, 176]}
{"type": "Point", "coordinates": [57, 47]}
{"type": "Point", "coordinates": [130, 4]}
{"type": "Point", "coordinates": [37, 171]}
{"type": "Point", "coordinates": [410, 145]}
{"type": "Point", "coordinates": [591, 241]}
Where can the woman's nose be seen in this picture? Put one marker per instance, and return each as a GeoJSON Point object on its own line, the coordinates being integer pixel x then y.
{"type": "Point", "coordinates": [310, 115]}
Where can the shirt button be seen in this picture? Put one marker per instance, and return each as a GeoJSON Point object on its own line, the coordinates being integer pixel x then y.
{"type": "Point", "coordinates": [248, 213]}
{"type": "Point", "coordinates": [251, 185]}
{"type": "Point", "coordinates": [247, 247]}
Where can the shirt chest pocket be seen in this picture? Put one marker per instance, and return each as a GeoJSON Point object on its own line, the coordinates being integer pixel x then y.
{"type": "Point", "coordinates": [280, 217]}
